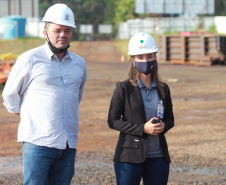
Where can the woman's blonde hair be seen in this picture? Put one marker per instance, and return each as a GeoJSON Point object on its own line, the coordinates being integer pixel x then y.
{"type": "Point", "coordinates": [133, 75]}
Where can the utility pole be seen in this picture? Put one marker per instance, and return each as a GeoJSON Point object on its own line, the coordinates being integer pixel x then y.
{"type": "Point", "coordinates": [20, 10]}
{"type": "Point", "coordinates": [145, 4]}
{"type": "Point", "coordinates": [164, 7]}
{"type": "Point", "coordinates": [32, 8]}
{"type": "Point", "coordinates": [224, 4]}
{"type": "Point", "coordinates": [9, 7]}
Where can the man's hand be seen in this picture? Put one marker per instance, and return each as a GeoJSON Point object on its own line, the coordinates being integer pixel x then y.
{"type": "Point", "coordinates": [18, 114]}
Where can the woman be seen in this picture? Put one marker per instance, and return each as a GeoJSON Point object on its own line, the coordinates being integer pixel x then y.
{"type": "Point", "coordinates": [141, 109]}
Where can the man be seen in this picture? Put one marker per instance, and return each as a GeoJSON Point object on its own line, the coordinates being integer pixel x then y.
{"type": "Point", "coordinates": [45, 88]}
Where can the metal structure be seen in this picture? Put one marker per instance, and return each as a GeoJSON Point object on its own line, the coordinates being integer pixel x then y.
{"type": "Point", "coordinates": [189, 8]}
{"type": "Point", "coordinates": [26, 8]}
{"type": "Point", "coordinates": [5, 68]}
{"type": "Point", "coordinates": [162, 25]}
{"type": "Point", "coordinates": [196, 49]}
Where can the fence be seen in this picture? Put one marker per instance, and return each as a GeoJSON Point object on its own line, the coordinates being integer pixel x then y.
{"type": "Point", "coordinates": [169, 24]}
{"type": "Point", "coordinates": [34, 28]}
{"type": "Point", "coordinates": [150, 25]}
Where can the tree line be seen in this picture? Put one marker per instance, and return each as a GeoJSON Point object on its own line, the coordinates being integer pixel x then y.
{"type": "Point", "coordinates": [112, 12]}
{"type": "Point", "coordinates": [95, 12]}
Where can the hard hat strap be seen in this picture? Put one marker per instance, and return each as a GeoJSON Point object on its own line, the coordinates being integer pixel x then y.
{"type": "Point", "coordinates": [53, 48]}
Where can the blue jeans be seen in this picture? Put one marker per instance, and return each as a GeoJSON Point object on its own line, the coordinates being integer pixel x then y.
{"type": "Point", "coordinates": [154, 171]}
{"type": "Point", "coordinates": [47, 166]}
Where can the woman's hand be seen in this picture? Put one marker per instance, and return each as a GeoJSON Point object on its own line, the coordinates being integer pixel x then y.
{"type": "Point", "coordinates": [154, 128]}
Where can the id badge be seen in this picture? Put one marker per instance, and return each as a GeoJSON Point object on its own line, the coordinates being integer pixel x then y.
{"type": "Point", "coordinates": [160, 111]}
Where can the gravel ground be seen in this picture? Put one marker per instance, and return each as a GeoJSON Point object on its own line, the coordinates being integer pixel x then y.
{"type": "Point", "coordinates": [196, 143]}
{"type": "Point", "coordinates": [97, 169]}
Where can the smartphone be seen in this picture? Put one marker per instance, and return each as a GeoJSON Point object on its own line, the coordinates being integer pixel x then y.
{"type": "Point", "coordinates": [156, 120]}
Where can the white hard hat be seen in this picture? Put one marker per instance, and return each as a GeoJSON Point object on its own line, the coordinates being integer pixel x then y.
{"type": "Point", "coordinates": [142, 43]}
{"type": "Point", "coordinates": [60, 14]}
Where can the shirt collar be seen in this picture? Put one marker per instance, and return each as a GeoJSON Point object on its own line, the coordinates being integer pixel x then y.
{"type": "Point", "coordinates": [50, 53]}
{"type": "Point", "coordinates": [141, 85]}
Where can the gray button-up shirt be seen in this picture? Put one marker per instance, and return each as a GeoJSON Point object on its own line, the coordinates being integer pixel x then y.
{"type": "Point", "coordinates": [151, 100]}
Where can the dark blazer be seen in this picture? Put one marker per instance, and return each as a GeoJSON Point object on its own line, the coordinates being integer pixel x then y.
{"type": "Point", "coordinates": [127, 115]}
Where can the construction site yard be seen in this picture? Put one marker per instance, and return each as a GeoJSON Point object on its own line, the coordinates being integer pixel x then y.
{"type": "Point", "coordinates": [196, 143]}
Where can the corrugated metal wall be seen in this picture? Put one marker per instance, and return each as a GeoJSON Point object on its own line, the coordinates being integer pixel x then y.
{"type": "Point", "coordinates": [179, 7]}
{"type": "Point", "coordinates": [26, 8]}
{"type": "Point", "coordinates": [162, 25]}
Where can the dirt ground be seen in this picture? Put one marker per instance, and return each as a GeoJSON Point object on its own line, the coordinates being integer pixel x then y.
{"type": "Point", "coordinates": [196, 143]}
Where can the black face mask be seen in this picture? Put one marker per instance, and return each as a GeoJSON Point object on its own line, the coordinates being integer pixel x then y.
{"type": "Point", "coordinates": [146, 67]}
{"type": "Point", "coordinates": [54, 49]}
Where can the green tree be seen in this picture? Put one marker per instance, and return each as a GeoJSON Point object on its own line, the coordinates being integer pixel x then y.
{"type": "Point", "coordinates": [44, 5]}
{"type": "Point", "coordinates": [95, 12]}
{"type": "Point", "coordinates": [88, 12]}
{"type": "Point", "coordinates": [220, 7]}
{"type": "Point", "coordinates": [110, 11]}
{"type": "Point", "coordinates": [124, 10]}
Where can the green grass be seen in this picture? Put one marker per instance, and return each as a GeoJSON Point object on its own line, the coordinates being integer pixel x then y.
{"type": "Point", "coordinates": [18, 46]}
{"type": "Point", "coordinates": [1, 89]}
{"type": "Point", "coordinates": [122, 46]}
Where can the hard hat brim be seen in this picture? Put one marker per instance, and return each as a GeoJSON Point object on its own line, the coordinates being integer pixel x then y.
{"type": "Point", "coordinates": [60, 23]}
{"type": "Point", "coordinates": [146, 51]}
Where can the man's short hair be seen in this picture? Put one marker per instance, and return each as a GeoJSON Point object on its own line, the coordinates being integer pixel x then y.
{"type": "Point", "coordinates": [46, 26]}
